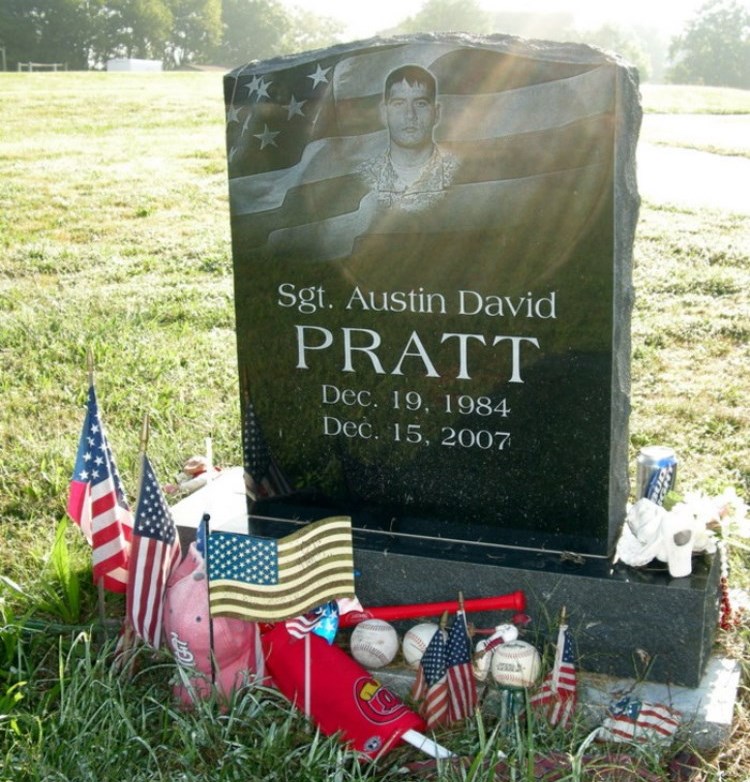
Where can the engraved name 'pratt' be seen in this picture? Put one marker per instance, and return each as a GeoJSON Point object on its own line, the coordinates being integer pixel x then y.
{"type": "Point", "coordinates": [368, 348]}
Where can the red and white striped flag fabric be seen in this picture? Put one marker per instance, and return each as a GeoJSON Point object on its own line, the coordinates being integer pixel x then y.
{"type": "Point", "coordinates": [462, 688]}
{"type": "Point", "coordinates": [97, 502]}
{"type": "Point", "coordinates": [155, 554]}
{"type": "Point", "coordinates": [556, 698]}
{"type": "Point", "coordinates": [633, 720]}
{"type": "Point", "coordinates": [430, 687]}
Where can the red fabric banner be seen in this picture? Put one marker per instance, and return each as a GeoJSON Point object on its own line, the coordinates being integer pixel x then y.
{"type": "Point", "coordinates": [343, 696]}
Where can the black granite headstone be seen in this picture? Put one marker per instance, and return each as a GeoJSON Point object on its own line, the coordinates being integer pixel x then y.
{"type": "Point", "coordinates": [432, 241]}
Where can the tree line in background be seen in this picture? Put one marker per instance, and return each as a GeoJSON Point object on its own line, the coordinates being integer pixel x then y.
{"type": "Point", "coordinates": [86, 34]}
{"type": "Point", "coordinates": [713, 48]}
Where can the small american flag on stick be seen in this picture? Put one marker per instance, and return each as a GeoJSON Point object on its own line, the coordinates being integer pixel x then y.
{"type": "Point", "coordinates": [462, 688]}
{"type": "Point", "coordinates": [430, 687]}
{"type": "Point", "coordinates": [555, 700]}
{"type": "Point", "coordinates": [156, 552]}
{"type": "Point", "coordinates": [97, 503]}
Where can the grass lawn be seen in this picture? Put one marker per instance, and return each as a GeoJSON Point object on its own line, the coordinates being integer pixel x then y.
{"type": "Point", "coordinates": [114, 236]}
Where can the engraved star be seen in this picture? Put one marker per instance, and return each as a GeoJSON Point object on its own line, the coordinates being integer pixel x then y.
{"type": "Point", "coordinates": [319, 76]}
{"type": "Point", "coordinates": [267, 137]}
{"type": "Point", "coordinates": [294, 107]}
{"type": "Point", "coordinates": [233, 114]}
{"type": "Point", "coordinates": [253, 86]}
{"type": "Point", "coordinates": [263, 89]}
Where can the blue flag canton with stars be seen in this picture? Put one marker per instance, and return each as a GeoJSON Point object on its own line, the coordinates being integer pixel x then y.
{"type": "Point", "coordinates": [458, 650]}
{"type": "Point", "coordinates": [242, 558]}
{"type": "Point", "coordinates": [272, 115]}
{"type": "Point", "coordinates": [567, 652]}
{"type": "Point", "coordinates": [434, 659]}
{"type": "Point", "coordinates": [153, 518]}
{"type": "Point", "coordinates": [94, 461]}
{"type": "Point", "coordinates": [626, 707]}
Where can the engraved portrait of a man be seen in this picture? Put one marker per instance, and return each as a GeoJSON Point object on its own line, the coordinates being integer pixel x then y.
{"type": "Point", "coordinates": [413, 172]}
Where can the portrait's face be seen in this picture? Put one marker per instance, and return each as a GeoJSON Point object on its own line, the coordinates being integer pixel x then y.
{"type": "Point", "coordinates": [410, 114]}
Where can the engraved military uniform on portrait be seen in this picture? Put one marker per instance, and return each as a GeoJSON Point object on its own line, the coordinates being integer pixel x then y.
{"type": "Point", "coordinates": [383, 178]}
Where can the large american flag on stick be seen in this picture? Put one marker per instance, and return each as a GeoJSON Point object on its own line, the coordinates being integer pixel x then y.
{"type": "Point", "coordinates": [156, 552]}
{"type": "Point", "coordinates": [269, 580]}
{"type": "Point", "coordinates": [97, 502]}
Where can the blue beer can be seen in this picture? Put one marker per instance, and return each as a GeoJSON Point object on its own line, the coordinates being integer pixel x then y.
{"type": "Point", "coordinates": [655, 473]}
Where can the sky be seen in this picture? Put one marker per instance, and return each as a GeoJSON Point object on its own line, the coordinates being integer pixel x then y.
{"type": "Point", "coordinates": [363, 20]}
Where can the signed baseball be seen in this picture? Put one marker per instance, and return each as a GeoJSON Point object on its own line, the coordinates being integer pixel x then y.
{"type": "Point", "coordinates": [415, 642]}
{"type": "Point", "coordinates": [516, 664]}
{"type": "Point", "coordinates": [374, 643]}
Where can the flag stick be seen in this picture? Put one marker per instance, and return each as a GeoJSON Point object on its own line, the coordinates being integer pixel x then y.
{"type": "Point", "coordinates": [145, 432]}
{"type": "Point", "coordinates": [143, 446]}
{"type": "Point", "coordinates": [209, 457]}
{"type": "Point", "coordinates": [308, 674]}
{"type": "Point", "coordinates": [427, 745]}
{"type": "Point", "coordinates": [129, 635]}
{"type": "Point", "coordinates": [206, 520]}
{"type": "Point", "coordinates": [101, 605]}
{"type": "Point", "coordinates": [90, 365]}
{"type": "Point", "coordinates": [559, 649]}
{"type": "Point", "coordinates": [210, 474]}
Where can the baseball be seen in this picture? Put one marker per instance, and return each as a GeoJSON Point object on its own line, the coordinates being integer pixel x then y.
{"type": "Point", "coordinates": [516, 664]}
{"type": "Point", "coordinates": [415, 642]}
{"type": "Point", "coordinates": [374, 643]}
{"type": "Point", "coordinates": [485, 648]}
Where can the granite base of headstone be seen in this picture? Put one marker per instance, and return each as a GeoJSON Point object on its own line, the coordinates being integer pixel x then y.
{"type": "Point", "coordinates": [432, 240]}
{"type": "Point", "coordinates": [626, 622]}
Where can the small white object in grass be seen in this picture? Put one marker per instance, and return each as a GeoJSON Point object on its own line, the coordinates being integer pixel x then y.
{"type": "Point", "coordinates": [374, 643]}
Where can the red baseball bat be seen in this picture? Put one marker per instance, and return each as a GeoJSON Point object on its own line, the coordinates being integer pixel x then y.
{"type": "Point", "coordinates": [514, 601]}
